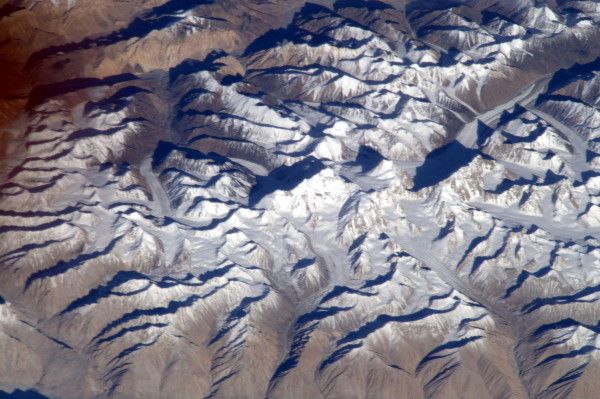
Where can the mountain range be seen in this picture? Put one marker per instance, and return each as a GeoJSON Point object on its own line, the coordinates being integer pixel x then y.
{"type": "Point", "coordinates": [290, 199]}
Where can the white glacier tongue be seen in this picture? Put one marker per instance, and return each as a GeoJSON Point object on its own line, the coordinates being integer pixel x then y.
{"type": "Point", "coordinates": [338, 199]}
{"type": "Point", "coordinates": [161, 205]}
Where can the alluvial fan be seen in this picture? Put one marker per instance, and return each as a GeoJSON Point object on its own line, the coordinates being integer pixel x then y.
{"type": "Point", "coordinates": [283, 199]}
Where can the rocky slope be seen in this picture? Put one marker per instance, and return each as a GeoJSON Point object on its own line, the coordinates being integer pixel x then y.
{"type": "Point", "coordinates": [281, 199]}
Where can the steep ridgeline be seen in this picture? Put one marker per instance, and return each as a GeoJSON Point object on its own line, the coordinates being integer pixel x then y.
{"type": "Point", "coordinates": [350, 199]}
